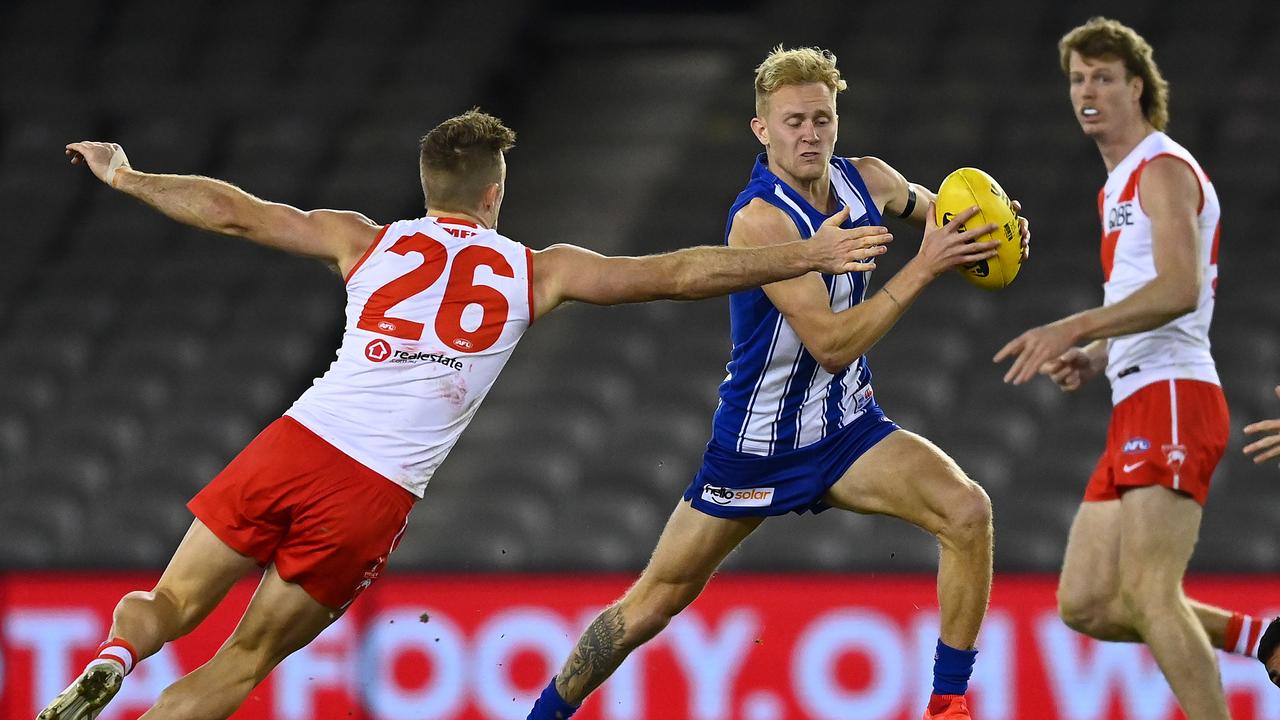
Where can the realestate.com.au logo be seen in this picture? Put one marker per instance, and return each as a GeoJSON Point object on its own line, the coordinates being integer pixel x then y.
{"type": "Point", "coordinates": [380, 350]}
{"type": "Point", "coordinates": [377, 350]}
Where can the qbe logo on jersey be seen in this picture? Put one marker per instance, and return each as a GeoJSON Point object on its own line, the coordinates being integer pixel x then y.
{"type": "Point", "coordinates": [749, 497]}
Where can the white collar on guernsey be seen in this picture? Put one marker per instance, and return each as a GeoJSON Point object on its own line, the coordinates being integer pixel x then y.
{"type": "Point", "coordinates": [1135, 155]}
{"type": "Point", "coordinates": [454, 220]}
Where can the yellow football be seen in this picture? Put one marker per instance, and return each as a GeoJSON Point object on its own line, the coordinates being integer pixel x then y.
{"type": "Point", "coordinates": [966, 188]}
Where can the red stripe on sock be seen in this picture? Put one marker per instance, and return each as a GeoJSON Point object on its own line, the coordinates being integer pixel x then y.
{"type": "Point", "coordinates": [1255, 635]}
{"type": "Point", "coordinates": [122, 644]}
{"type": "Point", "coordinates": [1234, 626]}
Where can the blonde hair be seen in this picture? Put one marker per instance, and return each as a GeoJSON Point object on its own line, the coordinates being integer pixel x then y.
{"type": "Point", "coordinates": [798, 66]}
{"type": "Point", "coordinates": [1102, 37]}
{"type": "Point", "coordinates": [460, 157]}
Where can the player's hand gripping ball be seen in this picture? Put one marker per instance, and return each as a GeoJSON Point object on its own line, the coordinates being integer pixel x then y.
{"type": "Point", "coordinates": [965, 188]}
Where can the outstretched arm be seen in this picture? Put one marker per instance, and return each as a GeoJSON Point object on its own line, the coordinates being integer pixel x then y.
{"type": "Point", "coordinates": [566, 272]}
{"type": "Point", "coordinates": [339, 237]}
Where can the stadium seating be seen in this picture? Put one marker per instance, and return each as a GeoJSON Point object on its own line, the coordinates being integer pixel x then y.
{"type": "Point", "coordinates": [137, 357]}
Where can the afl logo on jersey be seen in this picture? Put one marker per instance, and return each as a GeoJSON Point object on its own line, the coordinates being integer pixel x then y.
{"type": "Point", "coordinates": [1136, 445]}
{"type": "Point", "coordinates": [377, 350]}
{"type": "Point", "coordinates": [462, 343]}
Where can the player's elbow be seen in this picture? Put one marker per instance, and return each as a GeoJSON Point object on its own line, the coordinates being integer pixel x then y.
{"type": "Point", "coordinates": [1184, 298]}
{"type": "Point", "coordinates": [833, 367]}
{"type": "Point", "coordinates": [685, 285]}
{"type": "Point", "coordinates": [830, 348]}
{"type": "Point", "coordinates": [680, 289]}
{"type": "Point", "coordinates": [223, 214]}
{"type": "Point", "coordinates": [832, 359]}
{"type": "Point", "coordinates": [1184, 307]}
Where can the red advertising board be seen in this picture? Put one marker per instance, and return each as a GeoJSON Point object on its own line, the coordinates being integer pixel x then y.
{"type": "Point", "coordinates": [753, 647]}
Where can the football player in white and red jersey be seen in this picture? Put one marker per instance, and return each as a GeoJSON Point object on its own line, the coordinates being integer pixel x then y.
{"type": "Point", "coordinates": [434, 308]}
{"type": "Point", "coordinates": [1134, 533]}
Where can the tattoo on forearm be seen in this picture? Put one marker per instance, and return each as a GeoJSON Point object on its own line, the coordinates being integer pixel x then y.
{"type": "Point", "coordinates": [598, 653]}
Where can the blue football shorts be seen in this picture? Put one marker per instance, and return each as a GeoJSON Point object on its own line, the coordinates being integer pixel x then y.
{"type": "Point", "coordinates": [734, 484]}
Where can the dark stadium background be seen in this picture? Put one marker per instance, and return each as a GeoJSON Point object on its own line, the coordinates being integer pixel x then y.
{"type": "Point", "coordinates": [137, 356]}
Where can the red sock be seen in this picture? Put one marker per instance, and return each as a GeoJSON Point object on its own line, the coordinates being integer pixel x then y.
{"type": "Point", "coordinates": [1243, 634]}
{"type": "Point", "coordinates": [117, 651]}
{"type": "Point", "coordinates": [940, 703]}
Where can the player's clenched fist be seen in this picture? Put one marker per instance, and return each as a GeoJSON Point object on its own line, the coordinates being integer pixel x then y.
{"type": "Point", "coordinates": [104, 159]}
{"type": "Point", "coordinates": [840, 250]}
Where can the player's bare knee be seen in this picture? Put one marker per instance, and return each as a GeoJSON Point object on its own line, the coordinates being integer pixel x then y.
{"type": "Point", "coordinates": [1077, 617]}
{"type": "Point", "coordinates": [641, 621]}
{"type": "Point", "coordinates": [135, 598]}
{"type": "Point", "coordinates": [648, 610]}
{"type": "Point", "coordinates": [178, 616]}
{"type": "Point", "coordinates": [967, 518]}
{"type": "Point", "coordinates": [643, 627]}
{"type": "Point", "coordinates": [1083, 612]}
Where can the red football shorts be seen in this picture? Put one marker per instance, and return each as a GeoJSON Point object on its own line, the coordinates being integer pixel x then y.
{"type": "Point", "coordinates": [1170, 433]}
{"type": "Point", "coordinates": [290, 498]}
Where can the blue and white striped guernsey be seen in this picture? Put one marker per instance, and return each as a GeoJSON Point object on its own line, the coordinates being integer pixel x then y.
{"type": "Point", "coordinates": [776, 396]}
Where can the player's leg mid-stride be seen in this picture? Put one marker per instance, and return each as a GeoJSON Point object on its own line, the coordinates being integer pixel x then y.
{"type": "Point", "coordinates": [203, 569]}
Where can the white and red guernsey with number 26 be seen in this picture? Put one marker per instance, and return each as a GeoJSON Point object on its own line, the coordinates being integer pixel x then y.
{"type": "Point", "coordinates": [1179, 348]}
{"type": "Point", "coordinates": [434, 309]}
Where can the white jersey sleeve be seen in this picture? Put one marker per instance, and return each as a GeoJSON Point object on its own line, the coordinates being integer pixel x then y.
{"type": "Point", "coordinates": [1178, 349]}
{"type": "Point", "coordinates": [434, 309]}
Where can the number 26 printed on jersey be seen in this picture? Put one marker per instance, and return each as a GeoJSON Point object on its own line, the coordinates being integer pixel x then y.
{"type": "Point", "coordinates": [460, 293]}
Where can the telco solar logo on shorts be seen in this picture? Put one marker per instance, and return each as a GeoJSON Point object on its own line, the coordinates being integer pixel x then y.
{"type": "Point", "coordinates": [750, 497]}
